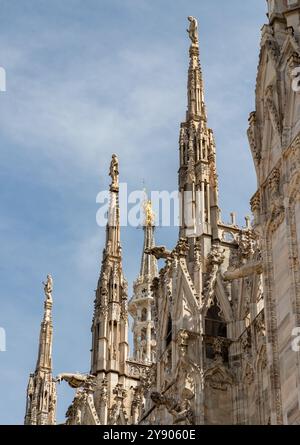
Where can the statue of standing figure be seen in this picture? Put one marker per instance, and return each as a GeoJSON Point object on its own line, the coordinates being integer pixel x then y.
{"type": "Point", "coordinates": [193, 30]}
{"type": "Point", "coordinates": [48, 287]}
{"type": "Point", "coordinates": [114, 170]}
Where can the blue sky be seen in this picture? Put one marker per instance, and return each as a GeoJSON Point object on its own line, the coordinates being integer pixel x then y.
{"type": "Point", "coordinates": [86, 79]}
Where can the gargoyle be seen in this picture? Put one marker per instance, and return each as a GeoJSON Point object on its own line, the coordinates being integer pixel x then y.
{"type": "Point", "coordinates": [160, 252]}
{"type": "Point", "coordinates": [75, 380]}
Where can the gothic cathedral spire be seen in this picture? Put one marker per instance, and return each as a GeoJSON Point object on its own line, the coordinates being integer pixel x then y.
{"type": "Point", "coordinates": [41, 390]}
{"type": "Point", "coordinates": [141, 306]}
{"type": "Point", "coordinates": [196, 105]}
{"type": "Point", "coordinates": [198, 183]}
{"type": "Point", "coordinates": [109, 329]}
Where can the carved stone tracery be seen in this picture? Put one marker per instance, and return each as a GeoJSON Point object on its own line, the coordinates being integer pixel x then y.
{"type": "Point", "coordinates": [180, 410]}
{"type": "Point", "coordinates": [214, 260]}
{"type": "Point", "coordinates": [276, 207]}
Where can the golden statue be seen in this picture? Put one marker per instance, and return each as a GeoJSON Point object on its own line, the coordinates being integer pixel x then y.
{"type": "Point", "coordinates": [149, 214]}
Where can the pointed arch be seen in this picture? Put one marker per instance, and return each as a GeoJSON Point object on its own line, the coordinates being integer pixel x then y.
{"type": "Point", "coordinates": [222, 301]}
{"type": "Point", "coordinates": [214, 323]}
{"type": "Point", "coordinates": [185, 309]}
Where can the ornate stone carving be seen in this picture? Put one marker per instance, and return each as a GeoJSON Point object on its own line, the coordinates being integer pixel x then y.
{"type": "Point", "coordinates": [260, 324]}
{"type": "Point", "coordinates": [77, 380]}
{"type": "Point", "coordinates": [182, 341]}
{"type": "Point", "coordinates": [246, 260]}
{"type": "Point", "coordinates": [214, 260]}
{"type": "Point", "coordinates": [182, 137]}
{"type": "Point", "coordinates": [181, 411]}
{"type": "Point", "coordinates": [148, 378]}
{"type": "Point", "coordinates": [270, 43]}
{"type": "Point", "coordinates": [246, 341]}
{"type": "Point", "coordinates": [255, 204]}
{"type": "Point", "coordinates": [293, 62]}
{"type": "Point", "coordinates": [124, 309]}
{"type": "Point", "coordinates": [114, 172]}
{"type": "Point", "coordinates": [190, 173]}
{"type": "Point", "coordinates": [120, 392]}
{"type": "Point", "coordinates": [249, 374]}
{"type": "Point", "coordinates": [193, 30]}
{"type": "Point", "coordinates": [197, 254]}
{"type": "Point", "coordinates": [262, 358]}
{"type": "Point", "coordinates": [48, 288]}
{"type": "Point", "coordinates": [247, 244]}
{"type": "Point", "coordinates": [217, 347]}
{"type": "Point", "coordinates": [134, 371]}
{"type": "Point", "coordinates": [104, 390]}
{"type": "Point", "coordinates": [254, 139]}
{"type": "Point", "coordinates": [217, 377]}
{"type": "Point", "coordinates": [160, 252]}
{"type": "Point", "coordinates": [274, 182]}
{"type": "Point", "coordinates": [182, 248]}
{"type": "Point", "coordinates": [74, 412]}
{"type": "Point", "coordinates": [276, 212]}
{"type": "Point", "coordinates": [272, 109]}
{"type": "Point", "coordinates": [136, 404]}
{"type": "Point", "coordinates": [118, 413]}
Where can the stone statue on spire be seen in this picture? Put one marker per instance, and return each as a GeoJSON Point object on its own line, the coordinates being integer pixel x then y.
{"type": "Point", "coordinates": [48, 288]}
{"type": "Point", "coordinates": [114, 171]}
{"type": "Point", "coordinates": [193, 30]}
{"type": "Point", "coordinates": [149, 214]}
